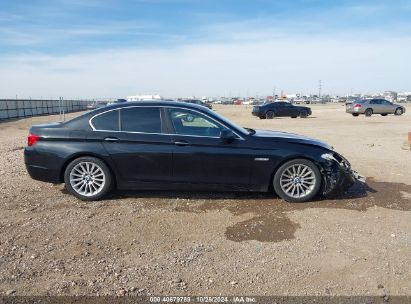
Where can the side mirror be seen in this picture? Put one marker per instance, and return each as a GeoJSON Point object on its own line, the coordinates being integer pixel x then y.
{"type": "Point", "coordinates": [227, 136]}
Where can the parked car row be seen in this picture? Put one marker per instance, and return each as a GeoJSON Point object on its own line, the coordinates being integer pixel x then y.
{"type": "Point", "coordinates": [198, 102]}
{"type": "Point", "coordinates": [367, 107]}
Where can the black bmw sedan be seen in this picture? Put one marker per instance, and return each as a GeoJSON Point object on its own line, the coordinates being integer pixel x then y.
{"type": "Point", "coordinates": [280, 109]}
{"type": "Point", "coordinates": [180, 146]}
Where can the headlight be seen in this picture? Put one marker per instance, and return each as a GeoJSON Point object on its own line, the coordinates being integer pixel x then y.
{"type": "Point", "coordinates": [329, 156]}
{"type": "Point", "coordinates": [339, 159]}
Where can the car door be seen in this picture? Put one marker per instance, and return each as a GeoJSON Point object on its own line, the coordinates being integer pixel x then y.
{"type": "Point", "coordinates": [201, 158]}
{"type": "Point", "coordinates": [141, 148]}
{"type": "Point", "coordinates": [376, 106]}
{"type": "Point", "coordinates": [278, 108]}
{"type": "Point", "coordinates": [387, 107]}
{"type": "Point", "coordinates": [290, 110]}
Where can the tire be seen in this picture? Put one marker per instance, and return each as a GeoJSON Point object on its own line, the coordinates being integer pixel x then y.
{"type": "Point", "coordinates": [368, 112]}
{"type": "Point", "coordinates": [288, 180]}
{"type": "Point", "coordinates": [399, 111]}
{"type": "Point", "coordinates": [355, 114]}
{"type": "Point", "coordinates": [385, 114]}
{"type": "Point", "coordinates": [85, 186]}
{"type": "Point", "coordinates": [269, 115]}
{"type": "Point", "coordinates": [303, 114]}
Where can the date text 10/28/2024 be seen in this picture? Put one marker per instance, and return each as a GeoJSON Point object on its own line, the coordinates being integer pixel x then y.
{"type": "Point", "coordinates": [205, 299]}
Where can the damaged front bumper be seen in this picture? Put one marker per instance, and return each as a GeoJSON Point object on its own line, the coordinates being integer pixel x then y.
{"type": "Point", "coordinates": [338, 176]}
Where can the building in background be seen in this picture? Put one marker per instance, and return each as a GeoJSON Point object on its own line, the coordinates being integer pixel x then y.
{"type": "Point", "coordinates": [404, 97]}
{"type": "Point", "coordinates": [144, 97]}
{"type": "Point", "coordinates": [390, 95]}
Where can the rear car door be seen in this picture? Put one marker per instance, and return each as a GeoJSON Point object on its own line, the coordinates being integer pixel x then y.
{"type": "Point", "coordinates": [201, 157]}
{"type": "Point", "coordinates": [140, 148]}
{"type": "Point", "coordinates": [376, 106]}
{"type": "Point", "coordinates": [279, 109]}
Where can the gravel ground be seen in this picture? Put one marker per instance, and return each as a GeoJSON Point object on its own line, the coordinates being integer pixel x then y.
{"type": "Point", "coordinates": [176, 243]}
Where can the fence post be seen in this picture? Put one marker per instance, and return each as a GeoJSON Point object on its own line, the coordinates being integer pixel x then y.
{"type": "Point", "coordinates": [7, 109]}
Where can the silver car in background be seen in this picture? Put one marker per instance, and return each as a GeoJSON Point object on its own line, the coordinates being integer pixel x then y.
{"type": "Point", "coordinates": [374, 106]}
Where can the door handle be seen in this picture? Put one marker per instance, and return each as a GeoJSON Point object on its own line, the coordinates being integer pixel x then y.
{"type": "Point", "coordinates": [181, 143]}
{"type": "Point", "coordinates": [111, 139]}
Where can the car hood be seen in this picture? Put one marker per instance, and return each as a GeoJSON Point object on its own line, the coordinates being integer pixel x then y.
{"type": "Point", "coordinates": [292, 138]}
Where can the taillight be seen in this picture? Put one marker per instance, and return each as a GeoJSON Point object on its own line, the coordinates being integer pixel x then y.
{"type": "Point", "coordinates": [32, 139]}
{"type": "Point", "coordinates": [357, 105]}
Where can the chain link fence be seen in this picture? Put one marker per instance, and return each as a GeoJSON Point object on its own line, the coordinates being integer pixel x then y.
{"type": "Point", "coordinates": [18, 108]}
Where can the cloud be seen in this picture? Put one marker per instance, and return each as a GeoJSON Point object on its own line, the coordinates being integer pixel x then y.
{"type": "Point", "coordinates": [213, 69]}
{"type": "Point", "coordinates": [212, 57]}
{"type": "Point", "coordinates": [45, 36]}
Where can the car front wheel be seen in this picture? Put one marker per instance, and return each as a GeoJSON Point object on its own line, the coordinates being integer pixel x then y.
{"type": "Point", "coordinates": [398, 111]}
{"type": "Point", "coordinates": [88, 178]}
{"type": "Point", "coordinates": [303, 114]}
{"type": "Point", "coordinates": [298, 180]}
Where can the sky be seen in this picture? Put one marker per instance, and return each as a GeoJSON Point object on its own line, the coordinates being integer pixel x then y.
{"type": "Point", "coordinates": [177, 48]}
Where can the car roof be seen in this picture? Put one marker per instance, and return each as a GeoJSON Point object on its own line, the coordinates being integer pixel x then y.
{"type": "Point", "coordinates": [158, 103]}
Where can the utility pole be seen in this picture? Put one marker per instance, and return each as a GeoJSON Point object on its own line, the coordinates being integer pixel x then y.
{"type": "Point", "coordinates": [319, 88]}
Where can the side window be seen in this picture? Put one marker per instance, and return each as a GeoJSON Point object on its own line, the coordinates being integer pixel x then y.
{"type": "Point", "coordinates": [186, 122]}
{"type": "Point", "coordinates": [141, 119]}
{"type": "Point", "coordinates": [108, 121]}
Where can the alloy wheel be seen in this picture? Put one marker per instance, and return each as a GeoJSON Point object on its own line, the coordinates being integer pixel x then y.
{"type": "Point", "coordinates": [87, 178]}
{"type": "Point", "coordinates": [298, 181]}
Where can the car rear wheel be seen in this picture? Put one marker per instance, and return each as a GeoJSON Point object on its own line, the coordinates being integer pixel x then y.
{"type": "Point", "coordinates": [368, 112]}
{"type": "Point", "coordinates": [303, 114]}
{"type": "Point", "coordinates": [355, 114]}
{"type": "Point", "coordinates": [399, 111]}
{"type": "Point", "coordinates": [298, 180]}
{"type": "Point", "coordinates": [88, 178]}
{"type": "Point", "coordinates": [269, 115]}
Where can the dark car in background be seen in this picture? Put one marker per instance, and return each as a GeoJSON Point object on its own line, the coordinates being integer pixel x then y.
{"type": "Point", "coordinates": [96, 105]}
{"type": "Point", "coordinates": [198, 102]}
{"type": "Point", "coordinates": [180, 146]}
{"type": "Point", "coordinates": [369, 107]}
{"type": "Point", "coordinates": [280, 109]}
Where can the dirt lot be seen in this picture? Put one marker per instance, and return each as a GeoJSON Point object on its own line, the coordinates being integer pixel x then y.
{"type": "Point", "coordinates": [173, 243]}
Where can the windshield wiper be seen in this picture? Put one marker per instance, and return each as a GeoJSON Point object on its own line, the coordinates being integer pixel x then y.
{"type": "Point", "coordinates": [251, 131]}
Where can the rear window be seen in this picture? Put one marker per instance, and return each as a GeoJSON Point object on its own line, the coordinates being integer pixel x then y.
{"type": "Point", "coordinates": [107, 121]}
{"type": "Point", "coordinates": [141, 119]}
